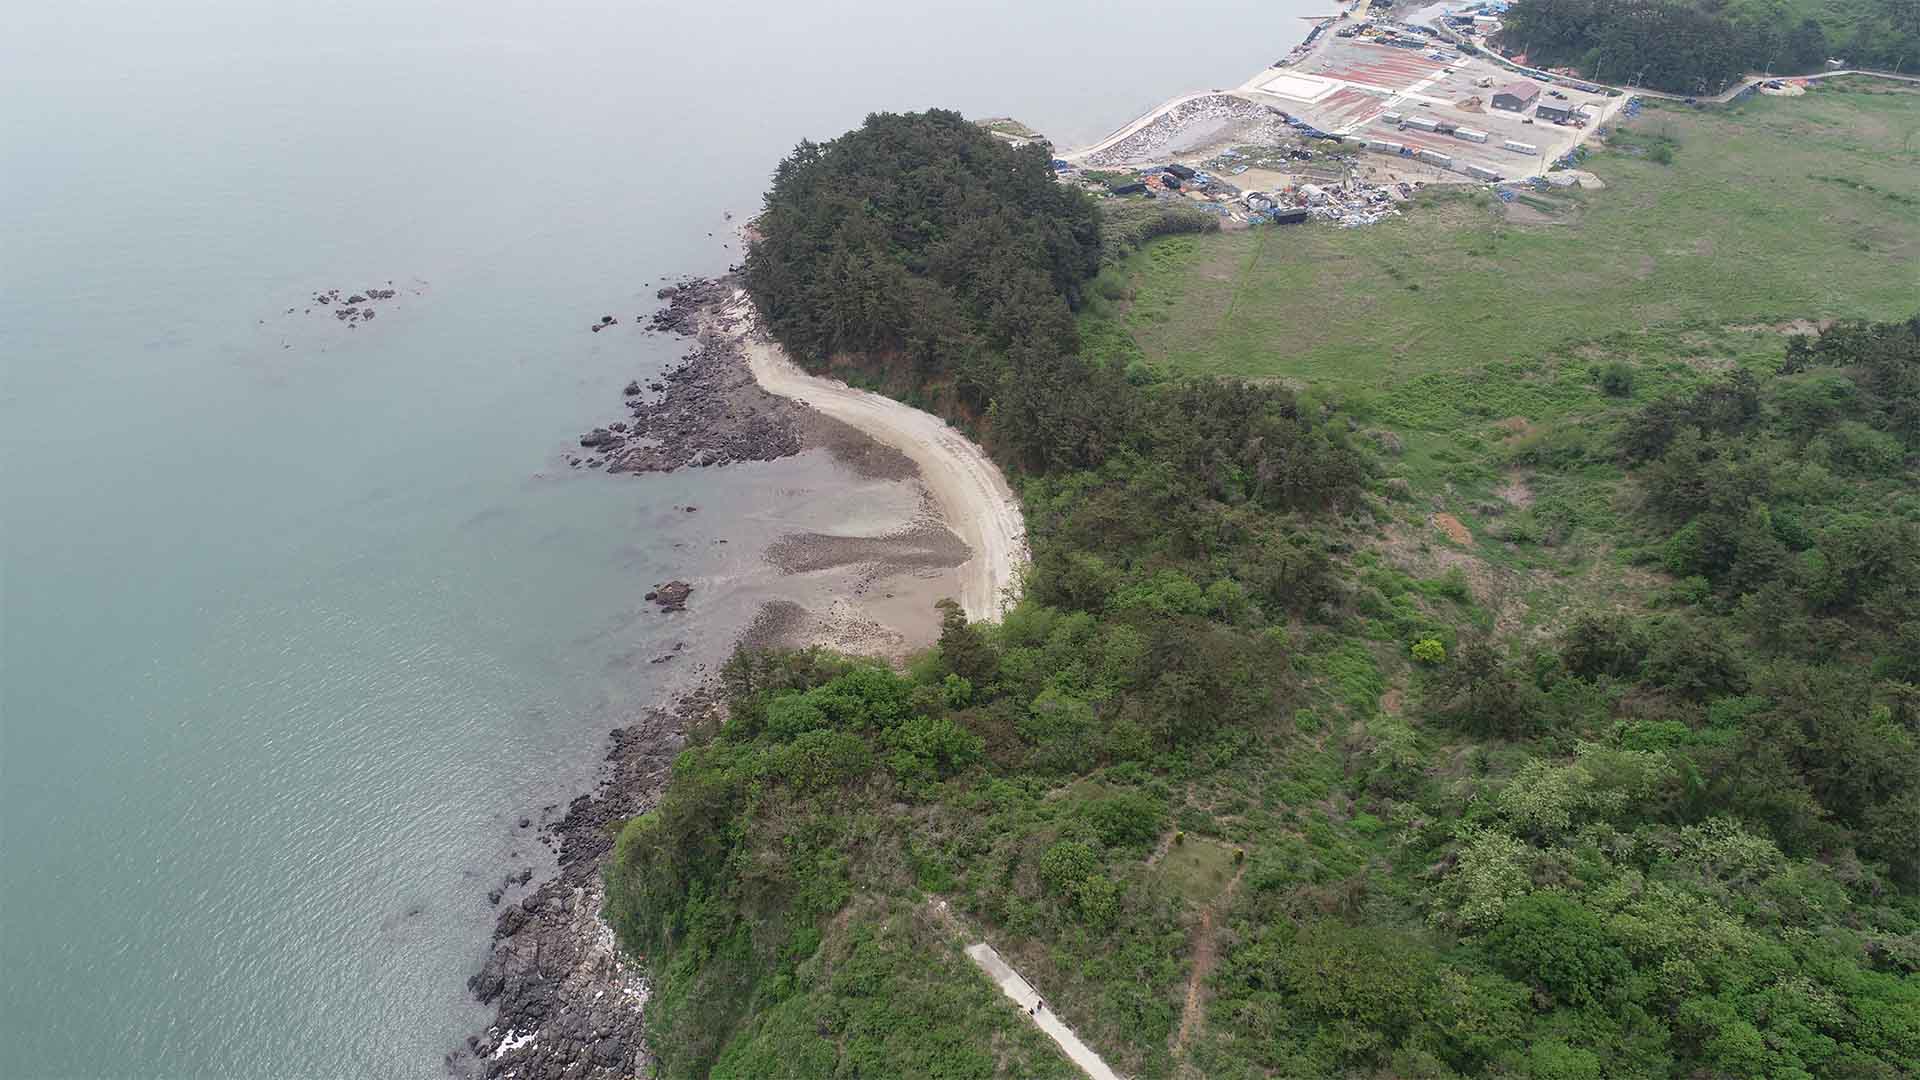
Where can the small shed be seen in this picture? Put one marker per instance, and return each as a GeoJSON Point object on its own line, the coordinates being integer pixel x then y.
{"type": "Point", "coordinates": [1555, 113]}
{"type": "Point", "coordinates": [1516, 96]}
{"type": "Point", "coordinates": [1180, 171]}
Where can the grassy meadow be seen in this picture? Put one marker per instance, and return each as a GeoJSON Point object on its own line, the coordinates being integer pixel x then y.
{"type": "Point", "coordinates": [1779, 209]}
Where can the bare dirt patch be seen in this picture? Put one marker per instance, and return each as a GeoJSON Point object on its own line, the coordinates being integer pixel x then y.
{"type": "Point", "coordinates": [1515, 491]}
{"type": "Point", "coordinates": [1450, 525]}
{"type": "Point", "coordinates": [1516, 427]}
{"type": "Point", "coordinates": [1796, 326]}
{"type": "Point", "coordinates": [1519, 213]}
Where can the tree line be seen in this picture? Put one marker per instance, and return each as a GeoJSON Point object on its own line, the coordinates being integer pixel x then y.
{"type": "Point", "coordinates": [1701, 47]}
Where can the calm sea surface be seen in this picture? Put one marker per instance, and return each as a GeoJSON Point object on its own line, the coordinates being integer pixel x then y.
{"type": "Point", "coordinates": [299, 620]}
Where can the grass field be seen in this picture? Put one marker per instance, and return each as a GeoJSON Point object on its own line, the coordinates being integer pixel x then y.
{"type": "Point", "coordinates": [1777, 210]}
{"type": "Point", "coordinates": [1478, 338]}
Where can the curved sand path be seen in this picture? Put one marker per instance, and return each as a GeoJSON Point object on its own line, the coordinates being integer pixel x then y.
{"type": "Point", "coordinates": [974, 498]}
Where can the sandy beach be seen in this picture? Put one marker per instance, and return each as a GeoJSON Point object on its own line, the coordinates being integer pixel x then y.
{"type": "Point", "coordinates": [971, 495]}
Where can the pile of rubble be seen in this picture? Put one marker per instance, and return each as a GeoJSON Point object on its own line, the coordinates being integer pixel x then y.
{"type": "Point", "coordinates": [1348, 204]}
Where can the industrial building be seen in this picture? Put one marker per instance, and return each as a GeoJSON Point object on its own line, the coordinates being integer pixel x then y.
{"type": "Point", "coordinates": [1556, 113]}
{"type": "Point", "coordinates": [1516, 96]}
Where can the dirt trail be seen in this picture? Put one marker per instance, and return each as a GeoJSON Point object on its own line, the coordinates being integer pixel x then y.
{"type": "Point", "coordinates": [1205, 957]}
{"type": "Point", "coordinates": [974, 498]}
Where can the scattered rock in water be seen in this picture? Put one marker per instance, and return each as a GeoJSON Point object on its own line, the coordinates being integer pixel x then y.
{"type": "Point", "coordinates": [672, 596]}
{"type": "Point", "coordinates": [351, 309]}
{"type": "Point", "coordinates": [633, 389]}
{"type": "Point", "coordinates": [525, 822]}
{"type": "Point", "coordinates": [692, 509]}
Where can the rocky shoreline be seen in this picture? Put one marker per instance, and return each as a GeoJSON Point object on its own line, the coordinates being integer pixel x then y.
{"type": "Point", "coordinates": [568, 1005]}
{"type": "Point", "coordinates": [709, 411]}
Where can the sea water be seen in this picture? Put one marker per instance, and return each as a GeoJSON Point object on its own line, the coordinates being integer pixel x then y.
{"type": "Point", "coordinates": [299, 618]}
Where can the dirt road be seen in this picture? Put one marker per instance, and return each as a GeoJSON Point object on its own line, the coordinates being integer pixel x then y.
{"type": "Point", "coordinates": [973, 495]}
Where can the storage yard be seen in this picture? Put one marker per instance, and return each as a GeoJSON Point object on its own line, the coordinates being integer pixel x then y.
{"type": "Point", "coordinates": [1407, 94]}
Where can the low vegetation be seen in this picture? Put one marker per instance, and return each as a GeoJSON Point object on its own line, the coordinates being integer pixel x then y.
{"type": "Point", "coordinates": [1549, 711]}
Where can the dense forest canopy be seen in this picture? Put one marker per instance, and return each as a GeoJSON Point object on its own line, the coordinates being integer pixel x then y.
{"type": "Point", "coordinates": [950, 263]}
{"type": "Point", "coordinates": [1699, 47]}
{"type": "Point", "coordinates": [1677, 841]}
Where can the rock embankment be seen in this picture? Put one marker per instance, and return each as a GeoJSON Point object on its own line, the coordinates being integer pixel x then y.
{"type": "Point", "coordinates": [1186, 122]}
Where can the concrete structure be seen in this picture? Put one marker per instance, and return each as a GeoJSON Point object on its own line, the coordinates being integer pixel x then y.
{"type": "Point", "coordinates": [1516, 96]}
{"type": "Point", "coordinates": [1028, 1001]}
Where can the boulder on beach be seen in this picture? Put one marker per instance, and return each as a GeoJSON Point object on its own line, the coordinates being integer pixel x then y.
{"type": "Point", "coordinates": [672, 596]}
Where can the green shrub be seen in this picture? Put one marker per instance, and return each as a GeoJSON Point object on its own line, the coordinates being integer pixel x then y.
{"type": "Point", "coordinates": [1429, 651]}
{"type": "Point", "coordinates": [1616, 380]}
{"type": "Point", "coordinates": [1559, 946]}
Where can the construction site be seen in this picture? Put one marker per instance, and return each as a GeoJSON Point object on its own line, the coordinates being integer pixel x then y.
{"type": "Point", "coordinates": [1351, 121]}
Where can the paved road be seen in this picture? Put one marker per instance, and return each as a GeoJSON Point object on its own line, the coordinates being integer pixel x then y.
{"type": "Point", "coordinates": [1023, 995]}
